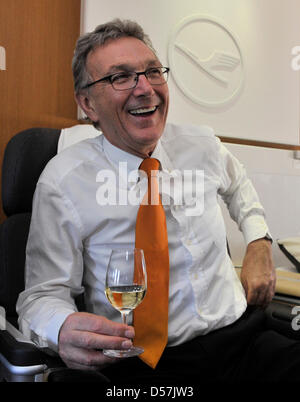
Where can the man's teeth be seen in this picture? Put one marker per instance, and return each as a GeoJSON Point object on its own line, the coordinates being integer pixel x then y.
{"type": "Point", "coordinates": [143, 110]}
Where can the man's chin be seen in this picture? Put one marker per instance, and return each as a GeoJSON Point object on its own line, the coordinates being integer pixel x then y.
{"type": "Point", "coordinates": [145, 143]}
{"type": "Point", "coordinates": [150, 138]}
{"type": "Point", "coordinates": [148, 132]}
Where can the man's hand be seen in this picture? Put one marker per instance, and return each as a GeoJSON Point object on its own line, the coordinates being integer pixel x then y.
{"type": "Point", "coordinates": [258, 275]}
{"type": "Point", "coordinates": [83, 336]}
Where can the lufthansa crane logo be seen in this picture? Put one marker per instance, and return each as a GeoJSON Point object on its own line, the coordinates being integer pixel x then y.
{"type": "Point", "coordinates": [206, 61]}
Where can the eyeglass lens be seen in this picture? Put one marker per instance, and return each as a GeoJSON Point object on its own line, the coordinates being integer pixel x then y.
{"type": "Point", "coordinates": [155, 76]}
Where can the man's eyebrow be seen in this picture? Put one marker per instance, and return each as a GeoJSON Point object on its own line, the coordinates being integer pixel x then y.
{"type": "Point", "coordinates": [119, 67]}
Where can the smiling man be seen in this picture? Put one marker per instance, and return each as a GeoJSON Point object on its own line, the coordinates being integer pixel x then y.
{"type": "Point", "coordinates": [121, 85]}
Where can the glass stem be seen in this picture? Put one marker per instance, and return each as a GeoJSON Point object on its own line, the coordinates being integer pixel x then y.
{"type": "Point", "coordinates": [124, 317]}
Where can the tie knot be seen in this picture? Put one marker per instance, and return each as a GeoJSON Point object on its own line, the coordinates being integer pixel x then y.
{"type": "Point", "coordinates": [149, 164]}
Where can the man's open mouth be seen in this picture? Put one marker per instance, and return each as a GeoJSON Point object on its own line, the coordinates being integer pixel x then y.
{"type": "Point", "coordinates": [143, 111]}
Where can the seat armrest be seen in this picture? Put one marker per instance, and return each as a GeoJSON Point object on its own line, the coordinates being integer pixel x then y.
{"type": "Point", "coordinates": [21, 360]}
{"type": "Point", "coordinates": [20, 353]}
{"type": "Point", "coordinates": [18, 350]}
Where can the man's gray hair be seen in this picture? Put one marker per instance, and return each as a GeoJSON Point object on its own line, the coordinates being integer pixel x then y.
{"type": "Point", "coordinates": [88, 42]}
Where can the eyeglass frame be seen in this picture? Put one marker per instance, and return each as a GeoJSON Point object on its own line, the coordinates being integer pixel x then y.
{"type": "Point", "coordinates": [137, 74]}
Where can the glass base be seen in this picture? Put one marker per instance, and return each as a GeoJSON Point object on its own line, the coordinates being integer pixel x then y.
{"type": "Point", "coordinates": [134, 351]}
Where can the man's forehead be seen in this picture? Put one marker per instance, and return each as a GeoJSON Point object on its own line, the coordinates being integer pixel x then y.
{"type": "Point", "coordinates": [132, 66]}
{"type": "Point", "coordinates": [122, 54]}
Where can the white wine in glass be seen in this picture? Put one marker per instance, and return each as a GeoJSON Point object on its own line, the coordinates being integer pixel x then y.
{"type": "Point", "coordinates": [125, 288]}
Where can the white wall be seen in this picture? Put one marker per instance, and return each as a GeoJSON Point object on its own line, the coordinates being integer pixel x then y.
{"type": "Point", "coordinates": [267, 106]}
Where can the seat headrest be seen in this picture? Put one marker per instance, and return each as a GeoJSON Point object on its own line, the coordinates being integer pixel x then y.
{"type": "Point", "coordinates": [25, 157]}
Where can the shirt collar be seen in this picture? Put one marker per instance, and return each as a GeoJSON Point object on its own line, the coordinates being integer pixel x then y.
{"type": "Point", "coordinates": [116, 155]}
{"type": "Point", "coordinates": [131, 163]}
{"type": "Point", "coordinates": [160, 154]}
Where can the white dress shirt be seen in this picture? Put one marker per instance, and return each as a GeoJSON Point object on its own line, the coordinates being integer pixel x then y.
{"type": "Point", "coordinates": [72, 235]}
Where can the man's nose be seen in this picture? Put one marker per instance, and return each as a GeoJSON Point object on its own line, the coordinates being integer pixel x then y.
{"type": "Point", "coordinates": [143, 86]}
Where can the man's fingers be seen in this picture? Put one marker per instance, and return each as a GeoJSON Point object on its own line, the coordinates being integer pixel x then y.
{"type": "Point", "coordinates": [260, 296]}
{"type": "Point", "coordinates": [101, 325]}
{"type": "Point", "coordinates": [83, 336]}
{"type": "Point", "coordinates": [92, 340]}
{"type": "Point", "coordinates": [252, 296]}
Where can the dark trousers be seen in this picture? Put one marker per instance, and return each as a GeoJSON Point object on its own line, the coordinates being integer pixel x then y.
{"type": "Point", "coordinates": [243, 351]}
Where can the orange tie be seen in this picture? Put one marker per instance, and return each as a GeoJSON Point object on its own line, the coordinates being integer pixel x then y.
{"type": "Point", "coordinates": [151, 316]}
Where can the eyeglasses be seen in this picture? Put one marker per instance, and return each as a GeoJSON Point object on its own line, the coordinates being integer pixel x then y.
{"type": "Point", "coordinates": [128, 80]}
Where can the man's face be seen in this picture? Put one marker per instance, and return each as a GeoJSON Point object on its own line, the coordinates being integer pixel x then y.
{"type": "Point", "coordinates": [118, 111]}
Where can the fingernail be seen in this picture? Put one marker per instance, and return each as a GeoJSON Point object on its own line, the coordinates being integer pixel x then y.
{"type": "Point", "coordinates": [126, 344]}
{"type": "Point", "coordinates": [129, 333]}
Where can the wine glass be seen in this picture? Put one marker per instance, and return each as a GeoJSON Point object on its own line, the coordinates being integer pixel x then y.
{"type": "Point", "coordinates": [125, 288]}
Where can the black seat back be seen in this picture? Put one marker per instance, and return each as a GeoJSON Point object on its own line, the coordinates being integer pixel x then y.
{"type": "Point", "coordinates": [25, 157]}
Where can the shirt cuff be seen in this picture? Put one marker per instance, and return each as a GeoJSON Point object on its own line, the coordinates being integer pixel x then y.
{"type": "Point", "coordinates": [254, 227]}
{"type": "Point", "coordinates": [53, 328]}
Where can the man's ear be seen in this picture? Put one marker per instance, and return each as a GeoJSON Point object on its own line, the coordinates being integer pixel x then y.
{"type": "Point", "coordinates": [84, 101]}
